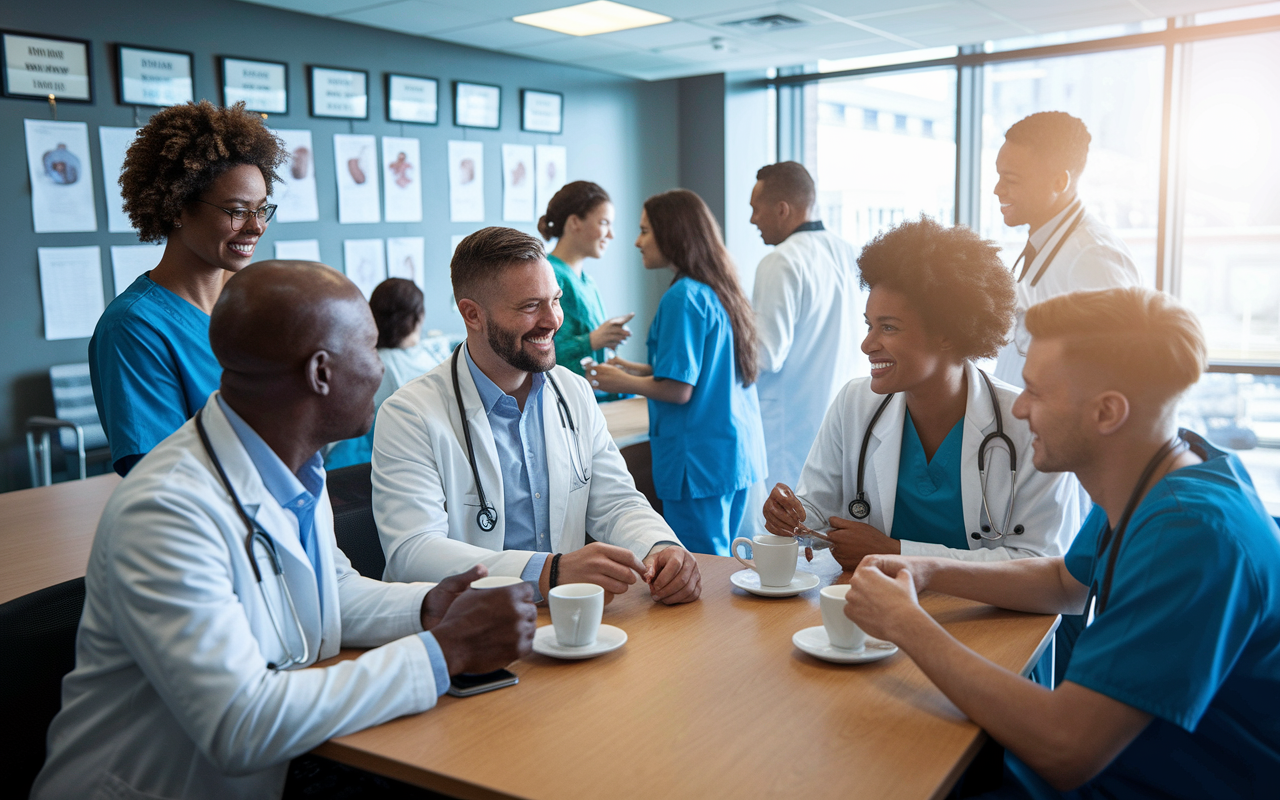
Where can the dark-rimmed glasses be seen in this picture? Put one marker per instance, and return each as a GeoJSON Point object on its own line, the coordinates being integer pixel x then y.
{"type": "Point", "coordinates": [240, 215]}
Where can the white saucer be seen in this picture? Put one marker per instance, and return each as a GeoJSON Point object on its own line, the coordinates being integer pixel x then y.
{"type": "Point", "coordinates": [814, 641]}
{"type": "Point", "coordinates": [749, 579]}
{"type": "Point", "coordinates": [608, 639]}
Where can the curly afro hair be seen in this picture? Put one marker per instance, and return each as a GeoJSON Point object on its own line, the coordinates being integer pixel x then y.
{"type": "Point", "coordinates": [953, 276]}
{"type": "Point", "coordinates": [181, 151]}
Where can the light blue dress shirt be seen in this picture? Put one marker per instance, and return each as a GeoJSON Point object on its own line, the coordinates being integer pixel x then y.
{"type": "Point", "coordinates": [929, 507]}
{"type": "Point", "coordinates": [522, 458]}
{"type": "Point", "coordinates": [299, 493]}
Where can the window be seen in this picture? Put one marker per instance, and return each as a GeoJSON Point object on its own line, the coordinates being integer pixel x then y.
{"type": "Point", "coordinates": [1119, 95]}
{"type": "Point", "coordinates": [869, 178]}
{"type": "Point", "coordinates": [1240, 412]}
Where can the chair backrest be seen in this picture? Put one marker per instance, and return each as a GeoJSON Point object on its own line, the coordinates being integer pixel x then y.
{"type": "Point", "coordinates": [73, 402]}
{"type": "Point", "coordinates": [351, 495]}
{"type": "Point", "coordinates": [38, 639]}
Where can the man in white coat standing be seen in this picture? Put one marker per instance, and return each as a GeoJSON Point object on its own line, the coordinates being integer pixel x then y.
{"type": "Point", "coordinates": [499, 457]}
{"type": "Point", "coordinates": [215, 578]}
{"type": "Point", "coordinates": [809, 320]}
{"type": "Point", "coordinates": [1068, 249]}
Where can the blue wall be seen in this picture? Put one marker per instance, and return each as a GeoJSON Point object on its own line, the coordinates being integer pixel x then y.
{"type": "Point", "coordinates": [620, 133]}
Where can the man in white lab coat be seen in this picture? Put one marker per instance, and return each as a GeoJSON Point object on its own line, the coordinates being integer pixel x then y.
{"type": "Point", "coordinates": [1068, 249]}
{"type": "Point", "coordinates": [215, 577]}
{"type": "Point", "coordinates": [809, 321]}
{"type": "Point", "coordinates": [499, 457]}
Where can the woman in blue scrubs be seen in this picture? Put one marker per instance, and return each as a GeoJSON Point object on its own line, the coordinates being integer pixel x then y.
{"type": "Point", "coordinates": [197, 177]}
{"type": "Point", "coordinates": [704, 418]}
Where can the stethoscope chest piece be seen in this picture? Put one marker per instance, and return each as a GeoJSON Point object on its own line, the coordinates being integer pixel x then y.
{"type": "Point", "coordinates": [859, 508]}
{"type": "Point", "coordinates": [486, 520]}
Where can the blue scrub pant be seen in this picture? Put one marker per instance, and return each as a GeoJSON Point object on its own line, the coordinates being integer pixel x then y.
{"type": "Point", "coordinates": [707, 524]}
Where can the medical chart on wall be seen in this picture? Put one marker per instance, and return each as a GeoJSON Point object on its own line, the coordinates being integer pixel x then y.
{"type": "Point", "coordinates": [363, 263]}
{"type": "Point", "coordinates": [402, 179]}
{"type": "Point", "coordinates": [115, 143]}
{"type": "Point", "coordinates": [131, 260]}
{"type": "Point", "coordinates": [61, 177]}
{"type": "Point", "coordinates": [553, 166]}
{"type": "Point", "coordinates": [404, 258]}
{"type": "Point", "coordinates": [517, 183]}
{"type": "Point", "coordinates": [466, 181]}
{"type": "Point", "coordinates": [356, 159]}
{"type": "Point", "coordinates": [295, 193]}
{"type": "Point", "coordinates": [70, 290]}
{"type": "Point", "coordinates": [298, 250]}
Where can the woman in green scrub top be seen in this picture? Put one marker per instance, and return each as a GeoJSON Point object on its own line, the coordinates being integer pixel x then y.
{"type": "Point", "coordinates": [580, 219]}
{"type": "Point", "coordinates": [940, 299]}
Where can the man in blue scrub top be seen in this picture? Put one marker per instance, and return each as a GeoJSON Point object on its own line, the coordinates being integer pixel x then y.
{"type": "Point", "coordinates": [1173, 689]}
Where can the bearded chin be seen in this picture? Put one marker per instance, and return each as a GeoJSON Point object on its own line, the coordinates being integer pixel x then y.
{"type": "Point", "coordinates": [508, 347]}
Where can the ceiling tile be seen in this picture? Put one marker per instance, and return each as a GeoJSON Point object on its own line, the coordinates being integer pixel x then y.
{"type": "Point", "coordinates": [705, 53]}
{"type": "Point", "coordinates": [574, 49]}
{"type": "Point", "coordinates": [317, 7]}
{"type": "Point", "coordinates": [506, 9]}
{"type": "Point", "coordinates": [501, 35]}
{"type": "Point", "coordinates": [810, 36]}
{"type": "Point", "coordinates": [414, 16]}
{"type": "Point", "coordinates": [653, 37]}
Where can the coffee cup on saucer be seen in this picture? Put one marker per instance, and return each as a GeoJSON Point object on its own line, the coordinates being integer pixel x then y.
{"type": "Point", "coordinates": [842, 632]}
{"type": "Point", "coordinates": [773, 558]}
{"type": "Point", "coordinates": [576, 610]}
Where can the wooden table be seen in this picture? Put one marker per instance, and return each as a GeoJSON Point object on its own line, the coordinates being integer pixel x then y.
{"type": "Point", "coordinates": [46, 533]}
{"type": "Point", "coordinates": [706, 700]}
{"type": "Point", "coordinates": [628, 420]}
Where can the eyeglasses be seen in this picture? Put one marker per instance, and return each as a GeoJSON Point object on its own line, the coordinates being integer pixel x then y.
{"type": "Point", "coordinates": [240, 215]}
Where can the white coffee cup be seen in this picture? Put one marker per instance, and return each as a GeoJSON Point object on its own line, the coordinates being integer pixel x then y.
{"type": "Point", "coordinates": [495, 582]}
{"type": "Point", "coordinates": [772, 557]}
{"type": "Point", "coordinates": [842, 631]}
{"type": "Point", "coordinates": [576, 609]}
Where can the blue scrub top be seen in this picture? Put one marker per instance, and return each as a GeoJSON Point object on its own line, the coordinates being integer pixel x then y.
{"type": "Point", "coordinates": [151, 368]}
{"type": "Point", "coordinates": [1190, 634]}
{"type": "Point", "coordinates": [713, 444]}
{"type": "Point", "coordinates": [929, 507]}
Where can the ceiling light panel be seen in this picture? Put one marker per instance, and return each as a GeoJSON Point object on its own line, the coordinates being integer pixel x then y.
{"type": "Point", "coordinates": [589, 19]}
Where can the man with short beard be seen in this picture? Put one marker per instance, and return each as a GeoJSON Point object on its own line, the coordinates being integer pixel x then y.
{"type": "Point", "coordinates": [499, 457]}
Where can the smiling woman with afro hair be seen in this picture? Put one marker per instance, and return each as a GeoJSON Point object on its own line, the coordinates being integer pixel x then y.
{"type": "Point", "coordinates": [894, 468]}
{"type": "Point", "coordinates": [196, 178]}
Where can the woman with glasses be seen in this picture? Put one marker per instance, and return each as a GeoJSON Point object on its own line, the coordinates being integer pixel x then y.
{"type": "Point", "coordinates": [197, 177]}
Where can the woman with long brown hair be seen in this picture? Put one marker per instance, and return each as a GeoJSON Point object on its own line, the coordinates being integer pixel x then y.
{"type": "Point", "coordinates": [704, 418]}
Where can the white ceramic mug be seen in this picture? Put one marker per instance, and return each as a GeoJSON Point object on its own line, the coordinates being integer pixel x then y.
{"type": "Point", "coordinates": [495, 582]}
{"type": "Point", "coordinates": [842, 631]}
{"type": "Point", "coordinates": [772, 557]}
{"type": "Point", "coordinates": [576, 609]}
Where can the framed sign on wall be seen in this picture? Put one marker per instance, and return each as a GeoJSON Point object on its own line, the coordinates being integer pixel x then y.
{"type": "Point", "coordinates": [541, 112]}
{"type": "Point", "coordinates": [39, 66]}
{"type": "Point", "coordinates": [260, 85]}
{"type": "Point", "coordinates": [477, 105]}
{"type": "Point", "coordinates": [340, 93]}
{"type": "Point", "coordinates": [413, 99]}
{"type": "Point", "coordinates": [150, 77]}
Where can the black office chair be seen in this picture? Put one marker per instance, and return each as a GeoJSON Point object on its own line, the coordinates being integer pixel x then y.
{"type": "Point", "coordinates": [38, 638]}
{"type": "Point", "coordinates": [351, 495]}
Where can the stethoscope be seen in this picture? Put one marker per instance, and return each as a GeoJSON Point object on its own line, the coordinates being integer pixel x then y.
{"type": "Point", "coordinates": [487, 516]}
{"type": "Point", "coordinates": [860, 506]}
{"type": "Point", "coordinates": [1076, 217]}
{"type": "Point", "coordinates": [1099, 595]}
{"type": "Point", "coordinates": [256, 535]}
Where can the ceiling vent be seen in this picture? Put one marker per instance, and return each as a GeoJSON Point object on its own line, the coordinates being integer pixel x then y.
{"type": "Point", "coordinates": [765, 24]}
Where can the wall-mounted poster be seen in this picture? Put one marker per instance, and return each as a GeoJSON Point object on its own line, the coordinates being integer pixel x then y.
{"type": "Point", "coordinates": [466, 181]}
{"type": "Point", "coordinates": [295, 192]}
{"type": "Point", "coordinates": [402, 179]}
{"type": "Point", "coordinates": [131, 260]}
{"type": "Point", "coordinates": [70, 290]}
{"type": "Point", "coordinates": [260, 85]}
{"type": "Point", "coordinates": [476, 105]}
{"type": "Point", "coordinates": [150, 77]}
{"type": "Point", "coordinates": [517, 183]}
{"type": "Point", "coordinates": [298, 250]}
{"type": "Point", "coordinates": [404, 258]}
{"type": "Point", "coordinates": [362, 261]}
{"type": "Point", "coordinates": [39, 66]}
{"type": "Point", "coordinates": [553, 166]}
{"type": "Point", "coordinates": [341, 93]}
{"type": "Point", "coordinates": [541, 112]}
{"type": "Point", "coordinates": [115, 143]}
{"type": "Point", "coordinates": [413, 99]}
{"type": "Point", "coordinates": [356, 159]}
{"type": "Point", "coordinates": [61, 176]}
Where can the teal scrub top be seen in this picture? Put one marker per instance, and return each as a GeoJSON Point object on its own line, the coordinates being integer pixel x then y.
{"type": "Point", "coordinates": [583, 313]}
{"type": "Point", "coordinates": [713, 444]}
{"type": "Point", "coordinates": [929, 507]}
{"type": "Point", "coordinates": [151, 367]}
{"type": "Point", "coordinates": [1190, 634]}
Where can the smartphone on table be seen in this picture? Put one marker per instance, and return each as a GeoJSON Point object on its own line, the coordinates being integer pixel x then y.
{"type": "Point", "coordinates": [467, 685]}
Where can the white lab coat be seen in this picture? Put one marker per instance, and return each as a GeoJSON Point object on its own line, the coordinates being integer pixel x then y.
{"type": "Point", "coordinates": [1051, 507]}
{"type": "Point", "coordinates": [809, 330]}
{"type": "Point", "coordinates": [171, 696]}
{"type": "Point", "coordinates": [424, 495]}
{"type": "Point", "coordinates": [1092, 258]}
